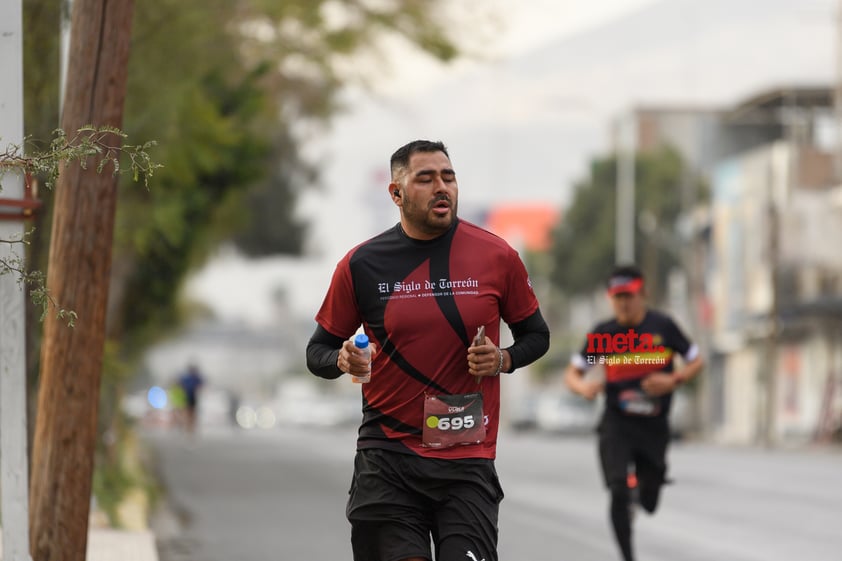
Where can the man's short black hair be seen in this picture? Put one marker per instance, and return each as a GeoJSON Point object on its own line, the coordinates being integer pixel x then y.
{"type": "Point", "coordinates": [400, 159]}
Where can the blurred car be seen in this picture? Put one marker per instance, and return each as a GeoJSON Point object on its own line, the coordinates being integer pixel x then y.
{"type": "Point", "coordinates": [307, 403]}
{"type": "Point", "coordinates": [565, 413]}
{"type": "Point", "coordinates": [521, 416]}
{"type": "Point", "coordinates": [214, 407]}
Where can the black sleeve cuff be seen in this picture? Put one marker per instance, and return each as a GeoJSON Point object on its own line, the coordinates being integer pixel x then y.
{"type": "Point", "coordinates": [532, 340]}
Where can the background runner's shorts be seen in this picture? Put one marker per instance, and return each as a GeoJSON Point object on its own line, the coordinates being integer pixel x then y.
{"type": "Point", "coordinates": [642, 442]}
{"type": "Point", "coordinates": [398, 501]}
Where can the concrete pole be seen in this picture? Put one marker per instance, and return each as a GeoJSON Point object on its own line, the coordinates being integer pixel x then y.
{"type": "Point", "coordinates": [770, 350]}
{"type": "Point", "coordinates": [625, 218]}
{"type": "Point", "coordinates": [13, 458]}
{"type": "Point", "coordinates": [837, 96]}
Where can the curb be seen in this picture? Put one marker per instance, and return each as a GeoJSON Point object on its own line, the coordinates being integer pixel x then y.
{"type": "Point", "coordinates": [117, 545]}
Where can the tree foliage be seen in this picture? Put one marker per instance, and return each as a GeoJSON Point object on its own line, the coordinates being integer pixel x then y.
{"type": "Point", "coordinates": [583, 248]}
{"type": "Point", "coordinates": [87, 145]}
{"type": "Point", "coordinates": [226, 88]}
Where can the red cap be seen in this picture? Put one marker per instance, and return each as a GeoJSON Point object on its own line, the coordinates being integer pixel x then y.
{"type": "Point", "coordinates": [624, 283]}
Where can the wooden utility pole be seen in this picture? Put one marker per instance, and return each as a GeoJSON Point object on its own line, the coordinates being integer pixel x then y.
{"type": "Point", "coordinates": [78, 276]}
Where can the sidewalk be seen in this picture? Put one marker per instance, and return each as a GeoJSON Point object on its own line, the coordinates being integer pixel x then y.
{"type": "Point", "coordinates": [118, 545]}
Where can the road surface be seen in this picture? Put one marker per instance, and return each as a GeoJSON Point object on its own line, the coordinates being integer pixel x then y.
{"type": "Point", "coordinates": [280, 494]}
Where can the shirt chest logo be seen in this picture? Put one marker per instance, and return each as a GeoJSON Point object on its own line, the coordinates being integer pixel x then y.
{"type": "Point", "coordinates": [427, 288]}
{"type": "Point", "coordinates": [628, 342]}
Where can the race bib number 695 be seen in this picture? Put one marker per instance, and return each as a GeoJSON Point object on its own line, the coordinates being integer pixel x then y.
{"type": "Point", "coordinates": [452, 420]}
{"type": "Point", "coordinates": [455, 423]}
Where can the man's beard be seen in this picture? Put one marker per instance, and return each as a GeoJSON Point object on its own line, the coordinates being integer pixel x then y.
{"type": "Point", "coordinates": [427, 221]}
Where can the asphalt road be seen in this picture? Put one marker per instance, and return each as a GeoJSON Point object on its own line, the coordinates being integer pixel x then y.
{"type": "Point", "coordinates": [280, 494]}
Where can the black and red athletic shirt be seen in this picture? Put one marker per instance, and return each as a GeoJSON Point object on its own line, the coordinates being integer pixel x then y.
{"type": "Point", "coordinates": [421, 302]}
{"type": "Point", "coordinates": [625, 370]}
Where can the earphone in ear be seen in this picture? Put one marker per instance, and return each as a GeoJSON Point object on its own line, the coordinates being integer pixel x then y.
{"type": "Point", "coordinates": [396, 193]}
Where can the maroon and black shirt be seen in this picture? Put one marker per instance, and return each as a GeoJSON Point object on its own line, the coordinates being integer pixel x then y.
{"type": "Point", "coordinates": [421, 302]}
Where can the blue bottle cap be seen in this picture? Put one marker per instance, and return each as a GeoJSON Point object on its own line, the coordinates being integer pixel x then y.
{"type": "Point", "coordinates": [361, 341]}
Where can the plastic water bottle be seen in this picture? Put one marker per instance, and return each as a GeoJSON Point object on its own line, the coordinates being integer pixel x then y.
{"type": "Point", "coordinates": [361, 342]}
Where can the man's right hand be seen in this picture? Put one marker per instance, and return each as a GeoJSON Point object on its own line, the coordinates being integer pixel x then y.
{"type": "Point", "coordinates": [352, 360]}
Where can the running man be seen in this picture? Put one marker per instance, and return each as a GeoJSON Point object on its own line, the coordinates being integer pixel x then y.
{"type": "Point", "coordinates": [430, 293]}
{"type": "Point", "coordinates": [636, 348]}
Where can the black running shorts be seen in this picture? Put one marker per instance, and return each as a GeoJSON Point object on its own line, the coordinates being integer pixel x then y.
{"type": "Point", "coordinates": [399, 502]}
{"type": "Point", "coordinates": [633, 440]}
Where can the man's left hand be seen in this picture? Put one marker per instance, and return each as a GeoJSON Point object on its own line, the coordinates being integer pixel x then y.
{"type": "Point", "coordinates": [659, 383]}
{"type": "Point", "coordinates": [484, 360]}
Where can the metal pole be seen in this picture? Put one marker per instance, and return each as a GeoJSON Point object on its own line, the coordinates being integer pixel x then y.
{"type": "Point", "coordinates": [13, 458]}
{"type": "Point", "coordinates": [778, 199]}
{"type": "Point", "coordinates": [837, 96]}
{"type": "Point", "coordinates": [771, 348]}
{"type": "Point", "coordinates": [64, 50]}
{"type": "Point", "coordinates": [626, 147]}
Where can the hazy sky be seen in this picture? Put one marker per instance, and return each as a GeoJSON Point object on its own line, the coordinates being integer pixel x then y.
{"type": "Point", "coordinates": [503, 29]}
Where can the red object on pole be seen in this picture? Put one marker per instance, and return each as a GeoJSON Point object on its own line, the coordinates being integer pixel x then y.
{"type": "Point", "coordinates": [21, 209]}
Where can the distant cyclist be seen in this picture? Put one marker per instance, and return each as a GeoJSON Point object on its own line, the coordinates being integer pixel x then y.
{"type": "Point", "coordinates": [636, 348]}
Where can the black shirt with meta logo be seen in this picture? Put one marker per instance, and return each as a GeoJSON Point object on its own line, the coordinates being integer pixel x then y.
{"type": "Point", "coordinates": [629, 354]}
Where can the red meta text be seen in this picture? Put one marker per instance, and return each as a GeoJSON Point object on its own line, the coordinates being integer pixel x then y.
{"type": "Point", "coordinates": [629, 342]}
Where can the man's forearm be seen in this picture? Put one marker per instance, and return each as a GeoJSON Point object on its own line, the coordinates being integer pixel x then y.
{"type": "Point", "coordinates": [532, 340]}
{"type": "Point", "coordinates": [322, 354]}
{"type": "Point", "coordinates": [689, 371]}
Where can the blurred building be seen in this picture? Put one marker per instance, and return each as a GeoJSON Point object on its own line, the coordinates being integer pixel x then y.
{"type": "Point", "coordinates": [774, 279]}
{"type": "Point", "coordinates": [527, 226]}
{"type": "Point", "coordinates": [702, 135]}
